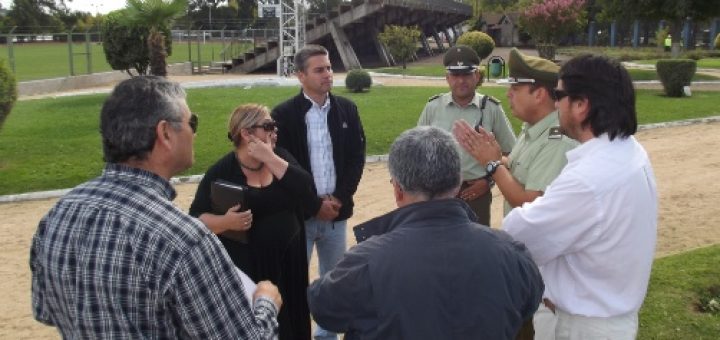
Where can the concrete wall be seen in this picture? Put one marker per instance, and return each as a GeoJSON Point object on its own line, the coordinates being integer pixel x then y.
{"type": "Point", "coordinates": [35, 87]}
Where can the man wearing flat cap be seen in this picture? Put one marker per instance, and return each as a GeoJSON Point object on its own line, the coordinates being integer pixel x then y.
{"type": "Point", "coordinates": [539, 155]}
{"type": "Point", "coordinates": [464, 103]}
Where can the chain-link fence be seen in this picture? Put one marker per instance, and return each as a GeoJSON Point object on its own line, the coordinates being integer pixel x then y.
{"type": "Point", "coordinates": [214, 50]}
{"type": "Point", "coordinates": [33, 56]}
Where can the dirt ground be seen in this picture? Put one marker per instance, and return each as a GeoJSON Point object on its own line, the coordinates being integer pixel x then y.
{"type": "Point", "coordinates": [686, 162]}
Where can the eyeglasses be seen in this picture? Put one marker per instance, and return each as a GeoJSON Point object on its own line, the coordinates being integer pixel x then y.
{"type": "Point", "coordinates": [558, 94]}
{"type": "Point", "coordinates": [268, 126]}
{"type": "Point", "coordinates": [193, 122]}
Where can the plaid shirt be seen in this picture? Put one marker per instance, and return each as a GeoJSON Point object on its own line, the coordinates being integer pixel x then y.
{"type": "Point", "coordinates": [320, 147]}
{"type": "Point", "coordinates": [115, 259]}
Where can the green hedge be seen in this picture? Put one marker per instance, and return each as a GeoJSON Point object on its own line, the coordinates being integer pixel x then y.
{"type": "Point", "coordinates": [482, 43]}
{"type": "Point", "coordinates": [358, 80]}
{"type": "Point", "coordinates": [8, 92]}
{"type": "Point", "coordinates": [675, 74]}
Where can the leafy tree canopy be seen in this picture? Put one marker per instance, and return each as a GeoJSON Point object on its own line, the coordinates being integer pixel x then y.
{"type": "Point", "coordinates": [401, 41]}
{"type": "Point", "coordinates": [158, 16]}
{"type": "Point", "coordinates": [35, 16]}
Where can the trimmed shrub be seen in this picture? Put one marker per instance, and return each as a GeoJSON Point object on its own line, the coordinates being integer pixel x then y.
{"type": "Point", "coordinates": [482, 43]}
{"type": "Point", "coordinates": [675, 74]}
{"type": "Point", "coordinates": [8, 92]}
{"type": "Point", "coordinates": [481, 71]}
{"type": "Point", "coordinates": [358, 80]}
{"type": "Point", "coordinates": [125, 44]}
{"type": "Point", "coordinates": [717, 42]}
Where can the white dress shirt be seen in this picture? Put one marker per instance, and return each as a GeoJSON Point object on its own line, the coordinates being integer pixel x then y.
{"type": "Point", "coordinates": [593, 232]}
{"type": "Point", "coordinates": [320, 147]}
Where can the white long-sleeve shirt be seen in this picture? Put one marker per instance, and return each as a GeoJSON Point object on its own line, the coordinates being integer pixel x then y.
{"type": "Point", "coordinates": [593, 232]}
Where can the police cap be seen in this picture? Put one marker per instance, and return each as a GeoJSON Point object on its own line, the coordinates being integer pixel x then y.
{"type": "Point", "coordinates": [531, 70]}
{"type": "Point", "coordinates": [461, 59]}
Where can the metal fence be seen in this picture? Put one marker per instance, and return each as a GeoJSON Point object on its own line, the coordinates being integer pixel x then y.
{"type": "Point", "coordinates": [694, 35]}
{"type": "Point", "coordinates": [61, 54]}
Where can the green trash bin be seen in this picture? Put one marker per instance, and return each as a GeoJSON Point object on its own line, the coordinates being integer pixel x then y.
{"type": "Point", "coordinates": [496, 65]}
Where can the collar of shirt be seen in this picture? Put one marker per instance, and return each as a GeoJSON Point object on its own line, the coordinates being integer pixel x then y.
{"type": "Point", "coordinates": [322, 107]}
{"type": "Point", "coordinates": [140, 177]}
{"type": "Point", "coordinates": [588, 147]}
{"type": "Point", "coordinates": [450, 101]}
{"type": "Point", "coordinates": [534, 131]}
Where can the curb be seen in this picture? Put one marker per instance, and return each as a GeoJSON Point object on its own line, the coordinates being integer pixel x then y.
{"type": "Point", "coordinates": [490, 82]}
{"type": "Point", "coordinates": [200, 84]}
{"type": "Point", "coordinates": [41, 195]}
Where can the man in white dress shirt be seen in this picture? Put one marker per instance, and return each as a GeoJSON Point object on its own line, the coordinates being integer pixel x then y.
{"type": "Point", "coordinates": [593, 232]}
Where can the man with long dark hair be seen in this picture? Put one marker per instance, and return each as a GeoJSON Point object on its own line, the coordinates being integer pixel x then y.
{"type": "Point", "coordinates": [593, 232]}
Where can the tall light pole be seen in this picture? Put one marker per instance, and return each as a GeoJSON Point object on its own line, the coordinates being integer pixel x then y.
{"type": "Point", "coordinates": [210, 6]}
{"type": "Point", "coordinates": [291, 30]}
{"type": "Point", "coordinates": [97, 8]}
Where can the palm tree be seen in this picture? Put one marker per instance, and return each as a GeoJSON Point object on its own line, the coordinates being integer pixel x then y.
{"type": "Point", "coordinates": [158, 15]}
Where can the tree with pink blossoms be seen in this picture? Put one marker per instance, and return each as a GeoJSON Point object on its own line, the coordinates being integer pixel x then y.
{"type": "Point", "coordinates": [547, 21]}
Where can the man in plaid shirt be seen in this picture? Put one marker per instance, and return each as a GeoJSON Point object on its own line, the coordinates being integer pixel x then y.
{"type": "Point", "coordinates": [116, 259]}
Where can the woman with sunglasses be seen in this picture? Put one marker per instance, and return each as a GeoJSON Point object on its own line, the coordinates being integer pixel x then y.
{"type": "Point", "coordinates": [275, 186]}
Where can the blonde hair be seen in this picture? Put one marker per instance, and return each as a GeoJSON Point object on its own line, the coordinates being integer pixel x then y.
{"type": "Point", "coordinates": [243, 117]}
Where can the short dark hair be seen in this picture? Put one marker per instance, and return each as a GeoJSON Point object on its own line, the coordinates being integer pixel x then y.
{"type": "Point", "coordinates": [425, 161]}
{"type": "Point", "coordinates": [548, 88]}
{"type": "Point", "coordinates": [131, 113]}
{"type": "Point", "coordinates": [607, 86]}
{"type": "Point", "coordinates": [301, 57]}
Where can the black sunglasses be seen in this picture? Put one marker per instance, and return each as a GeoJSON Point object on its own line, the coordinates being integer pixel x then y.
{"type": "Point", "coordinates": [268, 126]}
{"type": "Point", "coordinates": [558, 94]}
{"type": "Point", "coordinates": [193, 122]}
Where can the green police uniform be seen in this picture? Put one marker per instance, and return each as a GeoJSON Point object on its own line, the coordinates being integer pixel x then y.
{"type": "Point", "coordinates": [441, 111]}
{"type": "Point", "coordinates": [539, 155]}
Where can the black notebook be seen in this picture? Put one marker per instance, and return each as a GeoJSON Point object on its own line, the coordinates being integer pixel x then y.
{"type": "Point", "coordinates": [224, 195]}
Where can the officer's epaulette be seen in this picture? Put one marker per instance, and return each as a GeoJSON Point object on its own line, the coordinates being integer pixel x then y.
{"type": "Point", "coordinates": [494, 100]}
{"type": "Point", "coordinates": [555, 133]}
{"type": "Point", "coordinates": [434, 97]}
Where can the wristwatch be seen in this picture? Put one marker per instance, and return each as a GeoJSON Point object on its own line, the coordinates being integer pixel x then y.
{"type": "Point", "coordinates": [490, 181]}
{"type": "Point", "coordinates": [492, 166]}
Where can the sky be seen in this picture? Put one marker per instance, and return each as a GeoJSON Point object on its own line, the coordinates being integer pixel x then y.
{"type": "Point", "coordinates": [91, 6]}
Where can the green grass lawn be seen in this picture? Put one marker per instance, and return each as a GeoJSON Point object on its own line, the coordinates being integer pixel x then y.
{"type": "Point", "coordinates": [53, 143]}
{"type": "Point", "coordinates": [669, 310]}
{"type": "Point", "coordinates": [633, 53]}
{"type": "Point", "coordinates": [702, 63]}
{"type": "Point", "coordinates": [51, 60]}
{"type": "Point", "coordinates": [638, 74]}
{"type": "Point", "coordinates": [439, 71]}
{"type": "Point", "coordinates": [416, 70]}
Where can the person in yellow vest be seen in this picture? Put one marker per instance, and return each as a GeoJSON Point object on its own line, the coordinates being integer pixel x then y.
{"type": "Point", "coordinates": [668, 43]}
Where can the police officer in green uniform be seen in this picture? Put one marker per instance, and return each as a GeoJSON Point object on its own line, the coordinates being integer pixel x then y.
{"type": "Point", "coordinates": [464, 103]}
{"type": "Point", "coordinates": [539, 154]}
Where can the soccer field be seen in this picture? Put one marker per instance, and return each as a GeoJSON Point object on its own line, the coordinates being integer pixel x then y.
{"type": "Point", "coordinates": [42, 60]}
